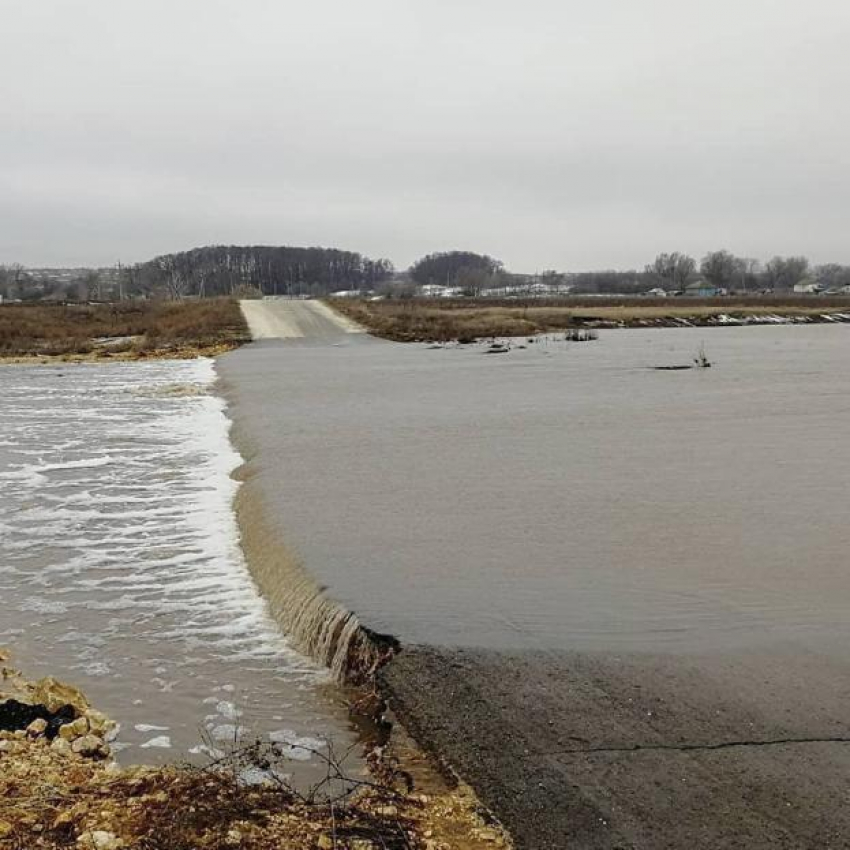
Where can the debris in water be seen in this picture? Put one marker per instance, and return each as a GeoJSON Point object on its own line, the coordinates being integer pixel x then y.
{"type": "Point", "coordinates": [701, 361]}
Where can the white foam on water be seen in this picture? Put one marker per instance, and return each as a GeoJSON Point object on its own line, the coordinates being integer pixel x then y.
{"type": "Point", "coordinates": [86, 463]}
{"type": "Point", "coordinates": [203, 749]}
{"type": "Point", "coordinates": [228, 710]}
{"type": "Point", "coordinates": [226, 732]}
{"type": "Point", "coordinates": [299, 748]}
{"type": "Point", "coordinates": [162, 742]}
{"type": "Point", "coordinates": [120, 513]}
{"type": "Point", "coordinates": [26, 476]}
{"type": "Point", "coordinates": [42, 606]}
{"type": "Point", "coordinates": [97, 668]}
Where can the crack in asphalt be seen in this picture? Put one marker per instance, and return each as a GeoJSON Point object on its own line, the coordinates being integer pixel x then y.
{"type": "Point", "coordinates": [685, 748]}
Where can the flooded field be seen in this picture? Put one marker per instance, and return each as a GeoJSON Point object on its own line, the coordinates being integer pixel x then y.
{"type": "Point", "coordinates": [564, 495]}
{"type": "Point", "coordinates": [121, 570]}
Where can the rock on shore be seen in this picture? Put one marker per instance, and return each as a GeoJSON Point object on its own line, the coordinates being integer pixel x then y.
{"type": "Point", "coordinates": [60, 788]}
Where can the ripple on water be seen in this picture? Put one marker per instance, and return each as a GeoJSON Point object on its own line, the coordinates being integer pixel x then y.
{"type": "Point", "coordinates": [122, 569]}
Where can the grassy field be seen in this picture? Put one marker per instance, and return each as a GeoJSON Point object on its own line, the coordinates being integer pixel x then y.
{"type": "Point", "coordinates": [124, 330]}
{"type": "Point", "coordinates": [467, 319]}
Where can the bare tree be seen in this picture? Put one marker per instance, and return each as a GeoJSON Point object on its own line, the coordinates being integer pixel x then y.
{"type": "Point", "coordinates": [718, 268]}
{"type": "Point", "coordinates": [747, 272]}
{"type": "Point", "coordinates": [176, 283]}
{"type": "Point", "coordinates": [784, 272]}
{"type": "Point", "coordinates": [12, 279]}
{"type": "Point", "coordinates": [672, 270]}
{"type": "Point", "coordinates": [833, 275]}
{"type": "Point", "coordinates": [93, 282]}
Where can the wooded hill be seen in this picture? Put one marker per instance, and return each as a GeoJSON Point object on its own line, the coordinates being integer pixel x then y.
{"type": "Point", "coordinates": [227, 270]}
{"type": "Point", "coordinates": [207, 272]}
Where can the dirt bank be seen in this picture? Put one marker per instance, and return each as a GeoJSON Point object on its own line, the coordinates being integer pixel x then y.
{"type": "Point", "coordinates": [59, 787]}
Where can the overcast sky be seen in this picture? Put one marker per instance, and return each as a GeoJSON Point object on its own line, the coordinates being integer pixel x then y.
{"type": "Point", "coordinates": [568, 134]}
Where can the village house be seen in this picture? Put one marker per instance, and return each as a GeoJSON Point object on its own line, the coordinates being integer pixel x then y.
{"type": "Point", "coordinates": [702, 289]}
{"type": "Point", "coordinates": [807, 286]}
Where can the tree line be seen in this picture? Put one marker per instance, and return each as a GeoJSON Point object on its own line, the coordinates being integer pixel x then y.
{"type": "Point", "coordinates": [294, 271]}
{"type": "Point", "coordinates": [672, 272]}
{"type": "Point", "coordinates": [230, 270]}
{"type": "Point", "coordinates": [724, 270]}
{"type": "Point", "coordinates": [207, 272]}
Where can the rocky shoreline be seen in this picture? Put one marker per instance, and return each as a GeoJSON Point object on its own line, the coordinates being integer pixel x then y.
{"type": "Point", "coordinates": [60, 787]}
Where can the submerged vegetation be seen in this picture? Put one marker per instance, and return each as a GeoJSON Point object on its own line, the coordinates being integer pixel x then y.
{"type": "Point", "coordinates": [128, 328]}
{"type": "Point", "coordinates": [467, 319]}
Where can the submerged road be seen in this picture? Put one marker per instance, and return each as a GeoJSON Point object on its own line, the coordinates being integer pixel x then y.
{"type": "Point", "coordinates": [622, 595]}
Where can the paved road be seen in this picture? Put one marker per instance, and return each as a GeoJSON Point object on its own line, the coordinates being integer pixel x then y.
{"type": "Point", "coordinates": [597, 751]}
{"type": "Point", "coordinates": [284, 318]}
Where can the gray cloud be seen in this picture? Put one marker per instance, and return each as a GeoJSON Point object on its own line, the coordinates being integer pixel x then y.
{"type": "Point", "coordinates": [550, 133]}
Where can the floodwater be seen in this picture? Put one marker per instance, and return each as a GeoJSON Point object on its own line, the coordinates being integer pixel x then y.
{"type": "Point", "coordinates": [121, 570]}
{"type": "Point", "coordinates": [565, 495]}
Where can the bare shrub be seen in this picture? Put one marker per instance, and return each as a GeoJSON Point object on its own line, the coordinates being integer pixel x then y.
{"type": "Point", "coordinates": [54, 329]}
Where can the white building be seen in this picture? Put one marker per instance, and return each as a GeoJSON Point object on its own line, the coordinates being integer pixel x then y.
{"type": "Point", "coordinates": [807, 287]}
{"type": "Point", "coordinates": [435, 290]}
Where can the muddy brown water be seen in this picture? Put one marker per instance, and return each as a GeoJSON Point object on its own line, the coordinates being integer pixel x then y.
{"type": "Point", "coordinates": [121, 569]}
{"type": "Point", "coordinates": [564, 495]}
{"type": "Point", "coordinates": [622, 592]}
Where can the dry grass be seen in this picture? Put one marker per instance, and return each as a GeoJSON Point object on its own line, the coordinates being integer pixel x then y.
{"type": "Point", "coordinates": [137, 328]}
{"type": "Point", "coordinates": [439, 320]}
{"type": "Point", "coordinates": [54, 801]}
